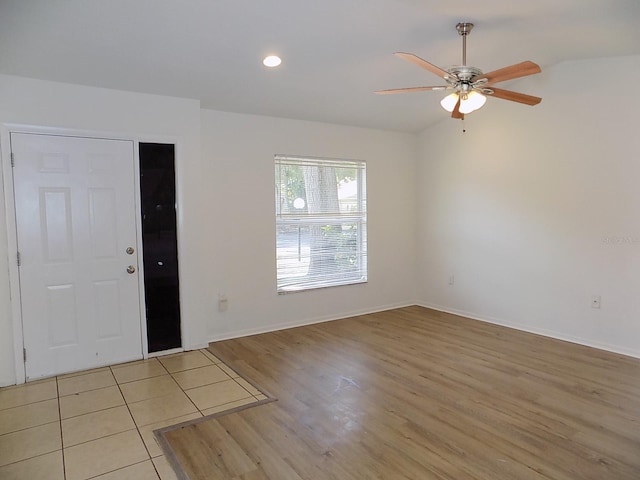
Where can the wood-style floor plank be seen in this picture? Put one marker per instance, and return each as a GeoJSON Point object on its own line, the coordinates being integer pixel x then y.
{"type": "Point", "coordinates": [413, 393]}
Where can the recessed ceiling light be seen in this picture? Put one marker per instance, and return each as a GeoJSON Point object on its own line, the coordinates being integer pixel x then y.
{"type": "Point", "coordinates": [272, 61]}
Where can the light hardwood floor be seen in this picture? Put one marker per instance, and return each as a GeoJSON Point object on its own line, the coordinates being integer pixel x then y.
{"type": "Point", "coordinates": [414, 393]}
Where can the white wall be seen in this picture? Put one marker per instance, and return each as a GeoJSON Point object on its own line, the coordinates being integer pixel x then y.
{"type": "Point", "coordinates": [34, 102]}
{"type": "Point", "coordinates": [225, 190]}
{"type": "Point", "coordinates": [533, 210]}
{"type": "Point", "coordinates": [239, 212]}
{"type": "Point", "coordinates": [536, 209]}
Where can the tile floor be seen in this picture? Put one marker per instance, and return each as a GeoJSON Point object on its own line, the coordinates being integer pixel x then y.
{"type": "Point", "coordinates": [99, 424]}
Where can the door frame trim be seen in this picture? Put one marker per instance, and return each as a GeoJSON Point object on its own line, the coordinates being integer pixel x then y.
{"type": "Point", "coordinates": [12, 246]}
{"type": "Point", "coordinates": [6, 129]}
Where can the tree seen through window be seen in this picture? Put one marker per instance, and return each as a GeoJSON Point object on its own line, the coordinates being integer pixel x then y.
{"type": "Point", "coordinates": [320, 223]}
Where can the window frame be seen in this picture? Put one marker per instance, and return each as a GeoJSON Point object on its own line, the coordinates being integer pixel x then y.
{"type": "Point", "coordinates": [357, 218]}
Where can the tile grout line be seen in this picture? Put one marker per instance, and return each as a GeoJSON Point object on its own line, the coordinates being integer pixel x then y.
{"type": "Point", "coordinates": [30, 458]}
{"type": "Point", "coordinates": [171, 375]}
{"type": "Point", "coordinates": [29, 428]}
{"type": "Point", "coordinates": [213, 383]}
{"type": "Point", "coordinates": [93, 411]}
{"type": "Point", "coordinates": [113, 434]}
{"type": "Point", "coordinates": [213, 363]}
{"type": "Point", "coordinates": [229, 373]}
{"type": "Point", "coordinates": [27, 404]}
{"type": "Point", "coordinates": [130, 414]}
{"type": "Point", "coordinates": [64, 466]}
{"type": "Point", "coordinates": [59, 422]}
{"type": "Point", "coordinates": [150, 459]}
{"type": "Point", "coordinates": [235, 379]}
{"type": "Point", "coordinates": [183, 390]}
{"type": "Point", "coordinates": [118, 469]}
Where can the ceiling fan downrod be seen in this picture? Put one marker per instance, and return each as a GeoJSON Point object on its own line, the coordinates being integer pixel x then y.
{"type": "Point", "coordinates": [464, 29]}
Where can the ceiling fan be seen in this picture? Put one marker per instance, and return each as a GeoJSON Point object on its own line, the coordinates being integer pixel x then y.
{"type": "Point", "coordinates": [470, 86]}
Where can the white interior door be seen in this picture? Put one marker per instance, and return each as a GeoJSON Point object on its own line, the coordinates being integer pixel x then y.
{"type": "Point", "coordinates": [76, 229]}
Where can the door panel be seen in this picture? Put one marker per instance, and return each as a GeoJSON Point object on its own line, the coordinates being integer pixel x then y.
{"type": "Point", "coordinates": [75, 217]}
{"type": "Point", "coordinates": [104, 222]}
{"type": "Point", "coordinates": [61, 307]}
{"type": "Point", "coordinates": [107, 297]}
{"type": "Point", "coordinates": [55, 215]}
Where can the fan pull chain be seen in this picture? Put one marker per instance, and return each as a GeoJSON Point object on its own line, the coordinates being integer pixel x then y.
{"type": "Point", "coordinates": [464, 130]}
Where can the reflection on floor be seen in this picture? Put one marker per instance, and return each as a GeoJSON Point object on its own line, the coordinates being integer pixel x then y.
{"type": "Point", "coordinates": [99, 423]}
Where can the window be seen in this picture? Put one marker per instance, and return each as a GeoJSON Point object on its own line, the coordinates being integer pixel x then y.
{"type": "Point", "coordinates": [321, 222]}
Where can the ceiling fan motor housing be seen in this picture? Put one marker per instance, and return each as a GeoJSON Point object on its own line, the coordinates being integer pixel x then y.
{"type": "Point", "coordinates": [463, 73]}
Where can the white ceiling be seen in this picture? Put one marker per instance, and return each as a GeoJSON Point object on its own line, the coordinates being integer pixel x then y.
{"type": "Point", "coordinates": [335, 52]}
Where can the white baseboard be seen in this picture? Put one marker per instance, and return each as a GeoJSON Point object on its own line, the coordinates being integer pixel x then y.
{"type": "Point", "coordinates": [301, 323]}
{"type": "Point", "coordinates": [495, 321]}
{"type": "Point", "coordinates": [538, 331]}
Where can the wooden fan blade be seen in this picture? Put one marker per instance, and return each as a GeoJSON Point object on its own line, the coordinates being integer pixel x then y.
{"type": "Point", "coordinates": [507, 73]}
{"type": "Point", "coordinates": [410, 57]}
{"type": "Point", "coordinates": [456, 111]}
{"type": "Point", "coordinates": [410, 89]}
{"type": "Point", "coordinates": [514, 96]}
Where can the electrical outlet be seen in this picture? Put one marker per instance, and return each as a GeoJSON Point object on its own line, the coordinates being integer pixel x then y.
{"type": "Point", "coordinates": [595, 301]}
{"type": "Point", "coordinates": [452, 280]}
{"type": "Point", "coordinates": [223, 302]}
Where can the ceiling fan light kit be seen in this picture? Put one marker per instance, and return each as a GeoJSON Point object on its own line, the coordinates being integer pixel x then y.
{"type": "Point", "coordinates": [470, 102]}
{"type": "Point", "coordinates": [449, 102]}
{"type": "Point", "coordinates": [271, 61]}
{"type": "Point", "coordinates": [469, 84]}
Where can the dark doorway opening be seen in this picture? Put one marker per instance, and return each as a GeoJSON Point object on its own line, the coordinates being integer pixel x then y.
{"type": "Point", "coordinates": [160, 245]}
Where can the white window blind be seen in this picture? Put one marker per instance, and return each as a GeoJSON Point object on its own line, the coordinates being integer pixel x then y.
{"type": "Point", "coordinates": [321, 222]}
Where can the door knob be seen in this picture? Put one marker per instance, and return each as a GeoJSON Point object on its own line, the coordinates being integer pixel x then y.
{"type": "Point", "coordinates": [131, 269]}
{"type": "Point", "coordinates": [130, 250]}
